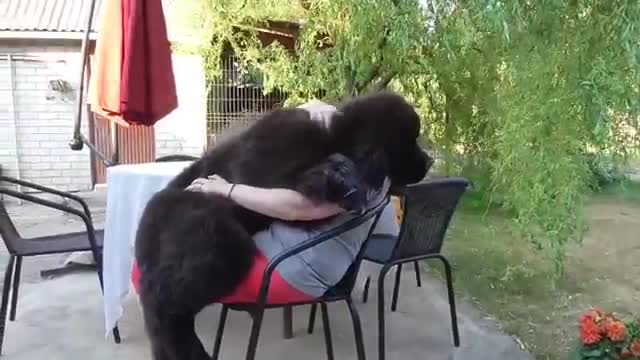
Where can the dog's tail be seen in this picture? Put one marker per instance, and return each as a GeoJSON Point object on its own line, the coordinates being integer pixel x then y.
{"type": "Point", "coordinates": [186, 177]}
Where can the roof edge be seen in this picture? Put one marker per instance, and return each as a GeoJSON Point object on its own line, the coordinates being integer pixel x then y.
{"type": "Point", "coordinates": [45, 35]}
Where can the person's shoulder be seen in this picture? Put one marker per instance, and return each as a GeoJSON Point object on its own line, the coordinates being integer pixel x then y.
{"type": "Point", "coordinates": [319, 111]}
{"type": "Point", "coordinates": [317, 106]}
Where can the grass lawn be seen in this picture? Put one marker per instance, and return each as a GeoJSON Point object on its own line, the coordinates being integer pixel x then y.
{"type": "Point", "coordinates": [509, 280]}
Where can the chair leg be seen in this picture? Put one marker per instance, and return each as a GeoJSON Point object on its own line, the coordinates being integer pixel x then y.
{"type": "Point", "coordinates": [396, 288]}
{"type": "Point", "coordinates": [287, 322]}
{"type": "Point", "coordinates": [223, 320]}
{"type": "Point", "coordinates": [312, 318]}
{"type": "Point", "coordinates": [365, 292]}
{"type": "Point", "coordinates": [116, 335]}
{"type": "Point", "coordinates": [255, 334]}
{"type": "Point", "coordinates": [6, 289]}
{"type": "Point", "coordinates": [416, 265]}
{"type": "Point", "coordinates": [16, 286]}
{"type": "Point", "coordinates": [452, 301]}
{"type": "Point", "coordinates": [357, 329]}
{"type": "Point", "coordinates": [327, 330]}
{"type": "Point", "coordinates": [98, 259]}
{"type": "Point", "coordinates": [381, 329]}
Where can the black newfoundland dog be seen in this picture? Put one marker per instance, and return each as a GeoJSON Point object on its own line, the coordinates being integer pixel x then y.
{"type": "Point", "coordinates": [193, 248]}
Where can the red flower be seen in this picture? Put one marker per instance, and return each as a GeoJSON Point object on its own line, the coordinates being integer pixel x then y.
{"type": "Point", "coordinates": [589, 332]}
{"type": "Point", "coordinates": [615, 330]}
{"type": "Point", "coordinates": [635, 348]}
{"type": "Point", "coordinates": [593, 315]}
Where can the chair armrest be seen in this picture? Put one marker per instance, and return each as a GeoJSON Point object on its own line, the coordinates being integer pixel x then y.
{"type": "Point", "coordinates": [67, 209]}
{"type": "Point", "coordinates": [314, 241]}
{"type": "Point", "coordinates": [49, 190]}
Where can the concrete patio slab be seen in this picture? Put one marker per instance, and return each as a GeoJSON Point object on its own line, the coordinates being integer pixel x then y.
{"type": "Point", "coordinates": [62, 318]}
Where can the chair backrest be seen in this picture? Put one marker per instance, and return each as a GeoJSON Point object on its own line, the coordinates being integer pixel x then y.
{"type": "Point", "coordinates": [347, 283]}
{"type": "Point", "coordinates": [8, 230]}
{"type": "Point", "coordinates": [176, 157]}
{"type": "Point", "coordinates": [427, 211]}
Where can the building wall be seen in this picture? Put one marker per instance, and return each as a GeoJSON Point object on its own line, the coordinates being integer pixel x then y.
{"type": "Point", "coordinates": [36, 123]}
{"type": "Point", "coordinates": [34, 134]}
{"type": "Point", "coordinates": [184, 131]}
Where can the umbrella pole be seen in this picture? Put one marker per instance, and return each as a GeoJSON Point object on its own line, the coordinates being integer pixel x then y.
{"type": "Point", "coordinates": [115, 144]}
{"type": "Point", "coordinates": [78, 141]}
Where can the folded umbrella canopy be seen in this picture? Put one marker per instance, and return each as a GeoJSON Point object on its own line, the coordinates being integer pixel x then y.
{"type": "Point", "coordinates": [132, 80]}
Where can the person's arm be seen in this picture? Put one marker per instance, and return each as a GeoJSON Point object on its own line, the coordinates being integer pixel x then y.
{"type": "Point", "coordinates": [282, 204]}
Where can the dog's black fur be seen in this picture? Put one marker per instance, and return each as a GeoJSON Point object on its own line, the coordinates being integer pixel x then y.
{"type": "Point", "coordinates": [194, 248]}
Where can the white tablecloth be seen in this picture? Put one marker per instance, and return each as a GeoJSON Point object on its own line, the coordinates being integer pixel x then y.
{"type": "Point", "coordinates": [129, 188]}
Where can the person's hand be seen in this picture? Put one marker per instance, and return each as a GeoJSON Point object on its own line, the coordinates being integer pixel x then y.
{"type": "Point", "coordinates": [213, 184]}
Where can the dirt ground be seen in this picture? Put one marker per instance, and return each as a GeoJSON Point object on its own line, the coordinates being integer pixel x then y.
{"type": "Point", "coordinates": [603, 272]}
{"type": "Point", "coordinates": [504, 276]}
{"type": "Point", "coordinates": [610, 255]}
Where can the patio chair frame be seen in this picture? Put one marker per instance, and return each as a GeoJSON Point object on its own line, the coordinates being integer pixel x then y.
{"type": "Point", "coordinates": [341, 292]}
{"type": "Point", "coordinates": [413, 246]}
{"type": "Point", "coordinates": [409, 243]}
{"type": "Point", "coordinates": [176, 157]}
{"type": "Point", "coordinates": [13, 270]}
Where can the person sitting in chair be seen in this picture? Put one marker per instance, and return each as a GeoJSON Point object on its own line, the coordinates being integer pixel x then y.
{"type": "Point", "coordinates": [311, 273]}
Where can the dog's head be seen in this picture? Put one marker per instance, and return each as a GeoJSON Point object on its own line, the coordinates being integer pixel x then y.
{"type": "Point", "coordinates": [380, 132]}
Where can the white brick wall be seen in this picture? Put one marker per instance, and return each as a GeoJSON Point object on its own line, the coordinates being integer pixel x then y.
{"type": "Point", "coordinates": [7, 137]}
{"type": "Point", "coordinates": [42, 127]}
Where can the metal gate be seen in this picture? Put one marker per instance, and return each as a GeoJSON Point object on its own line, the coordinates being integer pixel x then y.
{"type": "Point", "coordinates": [236, 97]}
{"type": "Point", "coordinates": [136, 144]}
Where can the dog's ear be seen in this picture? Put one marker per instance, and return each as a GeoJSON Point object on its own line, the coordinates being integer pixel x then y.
{"type": "Point", "coordinates": [359, 139]}
{"type": "Point", "coordinates": [409, 167]}
{"type": "Point", "coordinates": [373, 167]}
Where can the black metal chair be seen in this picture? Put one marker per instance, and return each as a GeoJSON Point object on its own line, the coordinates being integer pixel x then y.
{"type": "Point", "coordinates": [428, 208]}
{"type": "Point", "coordinates": [384, 243]}
{"type": "Point", "coordinates": [341, 292]}
{"type": "Point", "coordinates": [176, 157]}
{"type": "Point", "coordinates": [20, 247]}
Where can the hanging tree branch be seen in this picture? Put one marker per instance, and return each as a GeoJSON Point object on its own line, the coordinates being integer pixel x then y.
{"type": "Point", "coordinates": [376, 69]}
{"type": "Point", "coordinates": [350, 86]}
{"type": "Point", "coordinates": [384, 81]}
{"type": "Point", "coordinates": [305, 4]}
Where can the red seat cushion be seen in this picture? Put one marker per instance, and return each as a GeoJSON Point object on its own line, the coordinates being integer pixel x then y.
{"type": "Point", "coordinates": [280, 292]}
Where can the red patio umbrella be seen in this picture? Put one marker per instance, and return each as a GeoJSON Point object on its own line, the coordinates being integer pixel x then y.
{"type": "Point", "coordinates": [132, 80]}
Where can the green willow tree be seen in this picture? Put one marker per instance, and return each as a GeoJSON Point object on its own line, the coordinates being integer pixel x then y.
{"type": "Point", "coordinates": [344, 48]}
{"type": "Point", "coordinates": [524, 97]}
{"type": "Point", "coordinates": [538, 92]}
